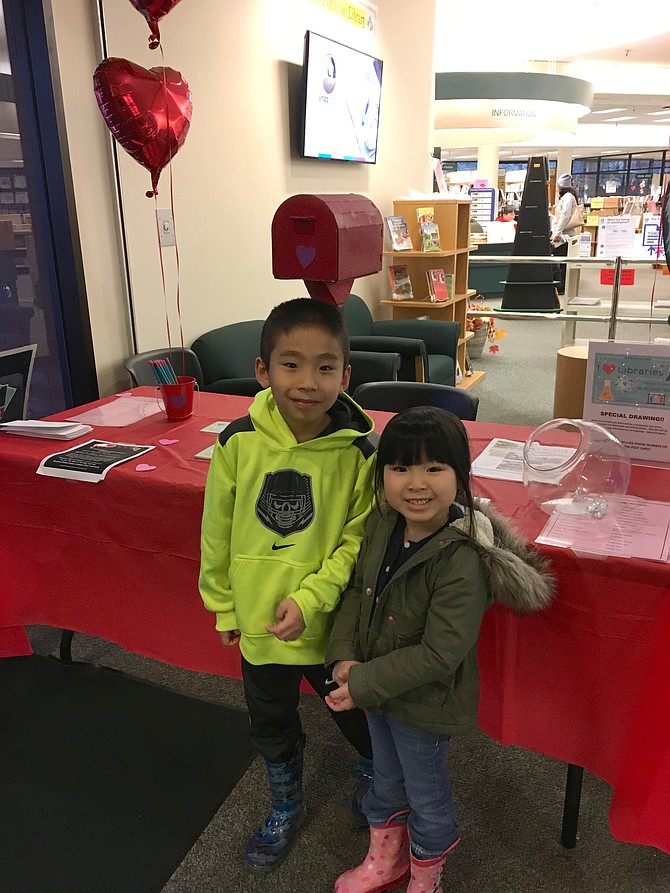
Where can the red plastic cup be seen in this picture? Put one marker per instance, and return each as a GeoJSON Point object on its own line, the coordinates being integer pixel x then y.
{"type": "Point", "coordinates": [177, 399]}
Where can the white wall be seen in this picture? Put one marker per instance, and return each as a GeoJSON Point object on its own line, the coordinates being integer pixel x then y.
{"type": "Point", "coordinates": [236, 167]}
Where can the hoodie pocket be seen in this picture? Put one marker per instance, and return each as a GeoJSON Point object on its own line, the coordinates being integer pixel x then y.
{"type": "Point", "coordinates": [259, 584]}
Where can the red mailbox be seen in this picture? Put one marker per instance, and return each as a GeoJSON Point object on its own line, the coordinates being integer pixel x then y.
{"type": "Point", "coordinates": [328, 241]}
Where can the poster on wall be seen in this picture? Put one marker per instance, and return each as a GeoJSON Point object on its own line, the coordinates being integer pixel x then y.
{"type": "Point", "coordinates": [628, 392]}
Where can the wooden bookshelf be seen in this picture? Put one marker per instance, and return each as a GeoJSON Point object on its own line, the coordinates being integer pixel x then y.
{"type": "Point", "coordinates": [452, 216]}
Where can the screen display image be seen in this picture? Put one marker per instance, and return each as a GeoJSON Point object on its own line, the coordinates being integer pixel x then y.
{"type": "Point", "coordinates": [342, 97]}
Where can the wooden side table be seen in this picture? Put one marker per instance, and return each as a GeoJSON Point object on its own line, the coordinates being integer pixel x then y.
{"type": "Point", "coordinates": [570, 381]}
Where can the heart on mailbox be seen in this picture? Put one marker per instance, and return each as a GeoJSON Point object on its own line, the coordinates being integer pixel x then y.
{"type": "Point", "coordinates": [305, 255]}
{"type": "Point", "coordinates": [609, 368]}
{"type": "Point", "coordinates": [166, 441]}
{"type": "Point", "coordinates": [144, 467]}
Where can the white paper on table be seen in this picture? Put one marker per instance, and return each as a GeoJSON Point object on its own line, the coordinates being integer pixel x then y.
{"type": "Point", "coordinates": [120, 412]}
{"type": "Point", "coordinates": [503, 459]}
{"type": "Point", "coordinates": [637, 528]}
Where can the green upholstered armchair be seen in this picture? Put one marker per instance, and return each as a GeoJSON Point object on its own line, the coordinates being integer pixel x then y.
{"type": "Point", "coordinates": [228, 354]}
{"type": "Point", "coordinates": [228, 357]}
{"type": "Point", "coordinates": [427, 346]}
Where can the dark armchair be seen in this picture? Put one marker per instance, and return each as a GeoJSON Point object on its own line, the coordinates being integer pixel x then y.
{"type": "Point", "coordinates": [185, 362]}
{"type": "Point", "coordinates": [228, 357]}
{"type": "Point", "coordinates": [228, 354]}
{"type": "Point", "coordinates": [427, 346]}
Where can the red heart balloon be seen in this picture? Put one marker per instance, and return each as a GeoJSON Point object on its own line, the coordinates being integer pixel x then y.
{"type": "Point", "coordinates": [147, 110]}
{"type": "Point", "coordinates": [153, 10]}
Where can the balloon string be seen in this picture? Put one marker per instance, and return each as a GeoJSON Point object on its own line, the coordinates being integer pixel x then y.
{"type": "Point", "coordinates": [174, 227]}
{"type": "Point", "coordinates": [160, 256]}
{"type": "Point", "coordinates": [176, 254]}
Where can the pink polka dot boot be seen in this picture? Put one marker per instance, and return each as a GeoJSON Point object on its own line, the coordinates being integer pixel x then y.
{"type": "Point", "coordinates": [386, 865]}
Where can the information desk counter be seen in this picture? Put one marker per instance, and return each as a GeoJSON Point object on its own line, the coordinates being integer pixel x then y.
{"type": "Point", "coordinates": [489, 279]}
{"type": "Point", "coordinates": [585, 681]}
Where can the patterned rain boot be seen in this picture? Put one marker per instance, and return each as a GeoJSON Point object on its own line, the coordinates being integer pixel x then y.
{"type": "Point", "coordinates": [350, 808]}
{"type": "Point", "coordinates": [386, 864]}
{"type": "Point", "coordinates": [268, 847]}
{"type": "Point", "coordinates": [427, 873]}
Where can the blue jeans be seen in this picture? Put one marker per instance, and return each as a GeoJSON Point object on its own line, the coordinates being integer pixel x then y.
{"type": "Point", "coordinates": [410, 772]}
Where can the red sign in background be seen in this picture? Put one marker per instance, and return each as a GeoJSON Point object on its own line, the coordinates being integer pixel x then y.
{"type": "Point", "coordinates": [607, 277]}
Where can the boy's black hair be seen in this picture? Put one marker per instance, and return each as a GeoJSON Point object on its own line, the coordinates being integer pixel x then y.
{"type": "Point", "coordinates": [425, 434]}
{"type": "Point", "coordinates": [303, 313]}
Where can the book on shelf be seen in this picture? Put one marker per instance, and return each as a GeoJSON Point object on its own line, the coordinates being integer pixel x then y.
{"type": "Point", "coordinates": [430, 237]}
{"type": "Point", "coordinates": [399, 234]}
{"type": "Point", "coordinates": [425, 215]}
{"type": "Point", "coordinates": [437, 285]}
{"type": "Point", "coordinates": [401, 287]}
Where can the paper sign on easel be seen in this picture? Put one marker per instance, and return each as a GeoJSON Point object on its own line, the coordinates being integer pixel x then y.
{"type": "Point", "coordinates": [628, 392]}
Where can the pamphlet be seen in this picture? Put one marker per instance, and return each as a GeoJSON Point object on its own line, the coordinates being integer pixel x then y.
{"type": "Point", "coordinates": [90, 461]}
{"type": "Point", "coordinates": [215, 427]}
{"type": "Point", "coordinates": [207, 453]}
{"type": "Point", "coordinates": [503, 459]}
{"type": "Point", "coordinates": [635, 528]}
{"type": "Point", "coordinates": [49, 430]}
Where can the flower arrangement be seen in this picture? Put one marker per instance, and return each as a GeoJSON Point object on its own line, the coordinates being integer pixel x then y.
{"type": "Point", "coordinates": [477, 323]}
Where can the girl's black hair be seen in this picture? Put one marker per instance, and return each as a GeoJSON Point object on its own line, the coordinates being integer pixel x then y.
{"type": "Point", "coordinates": [563, 189]}
{"type": "Point", "coordinates": [426, 433]}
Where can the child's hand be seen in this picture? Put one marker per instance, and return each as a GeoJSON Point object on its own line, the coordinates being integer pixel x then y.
{"type": "Point", "coordinates": [340, 699]}
{"type": "Point", "coordinates": [230, 637]}
{"type": "Point", "coordinates": [290, 622]}
{"type": "Point", "coordinates": [341, 670]}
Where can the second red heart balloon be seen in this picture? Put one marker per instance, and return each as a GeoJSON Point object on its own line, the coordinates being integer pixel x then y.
{"type": "Point", "coordinates": [147, 110]}
{"type": "Point", "coordinates": [153, 10]}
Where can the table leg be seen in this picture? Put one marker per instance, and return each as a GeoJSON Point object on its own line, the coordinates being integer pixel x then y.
{"type": "Point", "coordinates": [66, 646]}
{"type": "Point", "coordinates": [573, 793]}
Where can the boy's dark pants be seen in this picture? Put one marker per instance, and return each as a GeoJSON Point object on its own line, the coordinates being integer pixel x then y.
{"type": "Point", "coordinates": [272, 692]}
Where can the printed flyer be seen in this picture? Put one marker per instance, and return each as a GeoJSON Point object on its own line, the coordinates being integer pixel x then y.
{"type": "Point", "coordinates": [628, 392]}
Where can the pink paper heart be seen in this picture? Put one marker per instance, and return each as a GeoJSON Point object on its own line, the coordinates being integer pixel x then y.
{"type": "Point", "coordinates": [609, 368]}
{"type": "Point", "coordinates": [305, 255]}
{"type": "Point", "coordinates": [144, 467]}
{"type": "Point", "coordinates": [167, 441]}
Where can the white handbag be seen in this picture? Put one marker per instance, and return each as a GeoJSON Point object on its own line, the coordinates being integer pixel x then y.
{"type": "Point", "coordinates": [577, 218]}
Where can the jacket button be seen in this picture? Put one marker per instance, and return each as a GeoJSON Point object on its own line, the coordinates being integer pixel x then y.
{"type": "Point", "coordinates": [390, 618]}
{"type": "Point", "coordinates": [368, 591]}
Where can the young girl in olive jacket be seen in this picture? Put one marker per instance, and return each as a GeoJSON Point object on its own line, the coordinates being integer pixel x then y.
{"type": "Point", "coordinates": [404, 641]}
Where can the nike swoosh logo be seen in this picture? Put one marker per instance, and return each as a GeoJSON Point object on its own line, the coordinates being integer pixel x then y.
{"type": "Point", "coordinates": [275, 547]}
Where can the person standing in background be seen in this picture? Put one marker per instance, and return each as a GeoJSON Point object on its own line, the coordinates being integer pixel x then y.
{"type": "Point", "coordinates": [565, 209]}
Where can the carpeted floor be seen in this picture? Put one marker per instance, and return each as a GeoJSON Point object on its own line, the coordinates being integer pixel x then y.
{"type": "Point", "coordinates": [107, 781]}
{"type": "Point", "coordinates": [509, 803]}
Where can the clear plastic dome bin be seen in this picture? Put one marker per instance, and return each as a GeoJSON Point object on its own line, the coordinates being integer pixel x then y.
{"type": "Point", "coordinates": [591, 479]}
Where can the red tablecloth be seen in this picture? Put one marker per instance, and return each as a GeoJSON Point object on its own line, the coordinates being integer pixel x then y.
{"type": "Point", "coordinates": [585, 681]}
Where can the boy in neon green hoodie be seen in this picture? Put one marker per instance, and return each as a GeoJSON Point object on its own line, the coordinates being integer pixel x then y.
{"type": "Point", "coordinates": [287, 496]}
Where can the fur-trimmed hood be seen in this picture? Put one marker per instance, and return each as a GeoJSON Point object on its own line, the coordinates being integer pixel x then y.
{"type": "Point", "coordinates": [519, 576]}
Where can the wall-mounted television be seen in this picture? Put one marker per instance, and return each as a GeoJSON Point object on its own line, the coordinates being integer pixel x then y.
{"type": "Point", "coordinates": [342, 94]}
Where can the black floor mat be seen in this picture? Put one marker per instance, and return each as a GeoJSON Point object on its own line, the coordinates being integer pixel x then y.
{"type": "Point", "coordinates": [106, 781]}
